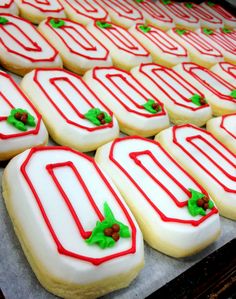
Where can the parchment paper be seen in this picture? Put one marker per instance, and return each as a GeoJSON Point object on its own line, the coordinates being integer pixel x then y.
{"type": "Point", "coordinates": [18, 281]}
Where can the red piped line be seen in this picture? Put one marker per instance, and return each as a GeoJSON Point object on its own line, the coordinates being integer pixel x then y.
{"type": "Point", "coordinates": [223, 126]}
{"type": "Point", "coordinates": [7, 5]}
{"type": "Point", "coordinates": [155, 11]}
{"type": "Point", "coordinates": [46, 3]}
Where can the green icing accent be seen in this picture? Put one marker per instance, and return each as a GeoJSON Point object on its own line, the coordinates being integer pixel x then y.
{"type": "Point", "coordinates": [148, 106]}
{"type": "Point", "coordinates": [226, 30]}
{"type": "Point", "coordinates": [57, 23]}
{"type": "Point", "coordinates": [98, 237]}
{"type": "Point", "coordinates": [92, 114]}
{"type": "Point", "coordinates": [193, 208]}
{"type": "Point", "coordinates": [139, 1]}
{"type": "Point", "coordinates": [19, 124]}
{"type": "Point", "coordinates": [233, 93]}
{"type": "Point", "coordinates": [145, 28]}
{"type": "Point", "coordinates": [196, 99]}
{"type": "Point", "coordinates": [3, 20]}
{"type": "Point", "coordinates": [208, 31]}
{"type": "Point", "coordinates": [166, 2]}
{"type": "Point", "coordinates": [188, 5]}
{"type": "Point", "coordinates": [180, 31]}
{"type": "Point", "coordinates": [103, 25]}
{"type": "Point", "coordinates": [210, 3]}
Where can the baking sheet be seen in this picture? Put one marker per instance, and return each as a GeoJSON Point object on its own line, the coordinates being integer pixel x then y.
{"type": "Point", "coordinates": [18, 281]}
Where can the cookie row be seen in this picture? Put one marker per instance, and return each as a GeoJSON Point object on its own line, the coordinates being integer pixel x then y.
{"type": "Point", "coordinates": [79, 112]}
{"type": "Point", "coordinates": [164, 14]}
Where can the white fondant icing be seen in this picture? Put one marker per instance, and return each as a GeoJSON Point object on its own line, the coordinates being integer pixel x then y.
{"type": "Point", "coordinates": [148, 186]}
{"type": "Point", "coordinates": [43, 247]}
{"type": "Point", "coordinates": [207, 160]}
{"type": "Point", "coordinates": [8, 6]}
{"type": "Point", "coordinates": [225, 70]}
{"type": "Point", "coordinates": [63, 98]}
{"type": "Point", "coordinates": [174, 91]}
{"type": "Point", "coordinates": [124, 95]}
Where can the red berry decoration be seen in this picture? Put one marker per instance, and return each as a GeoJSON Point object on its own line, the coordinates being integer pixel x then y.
{"type": "Point", "coordinates": [115, 236]}
{"type": "Point", "coordinates": [116, 228]}
{"type": "Point", "coordinates": [108, 232]}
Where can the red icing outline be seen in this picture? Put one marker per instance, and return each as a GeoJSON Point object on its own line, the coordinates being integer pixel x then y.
{"type": "Point", "coordinates": [223, 127]}
{"type": "Point", "coordinates": [90, 47]}
{"type": "Point", "coordinates": [34, 43]}
{"type": "Point", "coordinates": [60, 248]}
{"type": "Point", "coordinates": [191, 140]}
{"type": "Point", "coordinates": [45, 2]}
{"type": "Point", "coordinates": [153, 10]}
{"type": "Point", "coordinates": [229, 67]}
{"type": "Point", "coordinates": [222, 40]}
{"type": "Point", "coordinates": [175, 76]}
{"type": "Point", "coordinates": [109, 76]}
{"type": "Point", "coordinates": [111, 35]}
{"type": "Point", "coordinates": [34, 131]}
{"type": "Point", "coordinates": [134, 155]}
{"type": "Point", "coordinates": [199, 43]}
{"type": "Point", "coordinates": [6, 6]}
{"type": "Point", "coordinates": [220, 10]}
{"type": "Point", "coordinates": [165, 41]}
{"type": "Point", "coordinates": [52, 81]}
{"type": "Point", "coordinates": [126, 10]}
{"type": "Point", "coordinates": [208, 86]}
{"type": "Point", "coordinates": [90, 11]}
{"type": "Point", "coordinates": [202, 14]}
{"type": "Point", "coordinates": [175, 9]}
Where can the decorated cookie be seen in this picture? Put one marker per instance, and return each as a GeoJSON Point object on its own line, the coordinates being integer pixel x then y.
{"type": "Point", "coordinates": [73, 114]}
{"type": "Point", "coordinates": [219, 93]}
{"type": "Point", "coordinates": [184, 102]}
{"type": "Point", "coordinates": [137, 110]}
{"type": "Point", "coordinates": [165, 200]}
{"type": "Point", "coordinates": [22, 48]}
{"type": "Point", "coordinates": [201, 50]}
{"type": "Point", "coordinates": [79, 49]}
{"type": "Point", "coordinates": [122, 12]}
{"type": "Point", "coordinates": [36, 10]}
{"type": "Point", "coordinates": [21, 126]}
{"type": "Point", "coordinates": [77, 234]}
{"type": "Point", "coordinates": [180, 14]}
{"type": "Point", "coordinates": [125, 50]}
{"type": "Point", "coordinates": [207, 160]}
{"type": "Point", "coordinates": [207, 19]}
{"type": "Point", "coordinates": [164, 49]}
{"type": "Point", "coordinates": [228, 19]}
{"type": "Point", "coordinates": [225, 70]}
{"type": "Point", "coordinates": [84, 11]}
{"type": "Point", "coordinates": [154, 14]}
{"type": "Point", "coordinates": [220, 39]}
{"type": "Point", "coordinates": [224, 129]}
{"type": "Point", "coordinates": [8, 6]}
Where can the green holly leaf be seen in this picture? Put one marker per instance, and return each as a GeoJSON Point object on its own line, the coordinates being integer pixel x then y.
{"type": "Point", "coordinates": [57, 23]}
{"type": "Point", "coordinates": [145, 28]}
{"type": "Point", "coordinates": [196, 99]}
{"type": "Point", "coordinates": [166, 2]}
{"type": "Point", "coordinates": [188, 4]}
{"type": "Point", "coordinates": [139, 1]}
{"type": "Point", "coordinates": [193, 208]}
{"type": "Point", "coordinates": [210, 3]}
{"type": "Point", "coordinates": [98, 237]}
{"type": "Point", "coordinates": [93, 113]}
{"type": "Point", "coordinates": [208, 31]}
{"type": "Point", "coordinates": [103, 25]}
{"type": "Point", "coordinates": [148, 106]}
{"type": "Point", "coordinates": [226, 30]}
{"type": "Point", "coordinates": [3, 20]}
{"type": "Point", "coordinates": [180, 31]}
{"type": "Point", "coordinates": [233, 93]}
{"type": "Point", "coordinates": [18, 123]}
